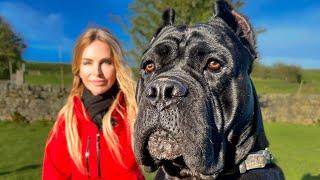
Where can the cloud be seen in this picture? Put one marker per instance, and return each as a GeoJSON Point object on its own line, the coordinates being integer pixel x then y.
{"type": "Point", "coordinates": [39, 30]}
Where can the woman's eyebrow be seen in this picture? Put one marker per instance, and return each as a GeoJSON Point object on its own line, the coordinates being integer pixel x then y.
{"type": "Point", "coordinates": [103, 59]}
{"type": "Point", "coordinates": [87, 59]}
{"type": "Point", "coordinates": [106, 59]}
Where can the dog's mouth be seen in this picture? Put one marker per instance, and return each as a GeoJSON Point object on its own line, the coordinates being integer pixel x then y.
{"type": "Point", "coordinates": [162, 145]}
{"type": "Point", "coordinates": [162, 149]}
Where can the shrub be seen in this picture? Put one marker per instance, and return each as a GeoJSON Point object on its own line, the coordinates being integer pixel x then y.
{"type": "Point", "coordinates": [289, 73]}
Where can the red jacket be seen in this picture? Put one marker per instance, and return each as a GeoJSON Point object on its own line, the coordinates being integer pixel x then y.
{"type": "Point", "coordinates": [57, 163]}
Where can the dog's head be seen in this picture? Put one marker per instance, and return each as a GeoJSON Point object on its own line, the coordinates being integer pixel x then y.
{"type": "Point", "coordinates": [198, 110]}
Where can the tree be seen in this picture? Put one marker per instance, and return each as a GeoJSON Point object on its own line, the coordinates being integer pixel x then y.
{"type": "Point", "coordinates": [11, 47]}
{"type": "Point", "coordinates": [147, 17]}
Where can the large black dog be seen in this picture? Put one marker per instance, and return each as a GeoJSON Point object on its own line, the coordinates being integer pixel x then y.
{"type": "Point", "coordinates": [199, 116]}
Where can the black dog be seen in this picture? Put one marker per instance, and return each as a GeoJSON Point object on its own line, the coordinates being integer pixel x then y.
{"type": "Point", "coordinates": [199, 116]}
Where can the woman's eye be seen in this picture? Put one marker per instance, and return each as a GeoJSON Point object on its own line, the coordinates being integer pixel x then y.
{"type": "Point", "coordinates": [214, 65]}
{"type": "Point", "coordinates": [150, 67]}
{"type": "Point", "coordinates": [107, 61]}
{"type": "Point", "coordinates": [85, 62]}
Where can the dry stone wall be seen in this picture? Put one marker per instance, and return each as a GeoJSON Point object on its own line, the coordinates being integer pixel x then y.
{"type": "Point", "coordinates": [30, 102]}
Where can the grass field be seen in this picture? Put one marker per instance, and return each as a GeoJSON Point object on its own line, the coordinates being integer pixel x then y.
{"type": "Point", "coordinates": [49, 78]}
{"type": "Point", "coordinates": [47, 73]}
{"type": "Point", "coordinates": [295, 147]}
{"type": "Point", "coordinates": [21, 149]}
{"type": "Point", "coordinates": [310, 85]}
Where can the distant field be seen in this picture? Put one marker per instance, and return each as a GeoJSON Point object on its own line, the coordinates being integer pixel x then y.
{"type": "Point", "coordinates": [296, 149]}
{"type": "Point", "coordinates": [46, 73]}
{"type": "Point", "coordinates": [49, 78]}
{"type": "Point", "coordinates": [274, 86]}
{"type": "Point", "coordinates": [310, 85]}
{"type": "Point", "coordinates": [47, 67]}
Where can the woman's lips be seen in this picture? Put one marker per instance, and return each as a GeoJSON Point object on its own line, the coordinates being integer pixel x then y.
{"type": "Point", "coordinates": [98, 82]}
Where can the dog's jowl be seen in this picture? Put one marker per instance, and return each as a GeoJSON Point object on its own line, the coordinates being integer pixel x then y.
{"type": "Point", "coordinates": [199, 116]}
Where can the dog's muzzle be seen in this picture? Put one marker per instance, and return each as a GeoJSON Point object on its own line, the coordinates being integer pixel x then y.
{"type": "Point", "coordinates": [165, 92]}
{"type": "Point", "coordinates": [162, 145]}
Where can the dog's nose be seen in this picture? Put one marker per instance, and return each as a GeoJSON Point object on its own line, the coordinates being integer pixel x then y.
{"type": "Point", "coordinates": [163, 92]}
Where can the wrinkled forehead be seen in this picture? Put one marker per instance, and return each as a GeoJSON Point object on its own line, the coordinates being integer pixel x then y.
{"type": "Point", "coordinates": [214, 34]}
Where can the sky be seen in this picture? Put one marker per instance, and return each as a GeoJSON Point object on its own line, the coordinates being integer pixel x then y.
{"type": "Point", "coordinates": [50, 28]}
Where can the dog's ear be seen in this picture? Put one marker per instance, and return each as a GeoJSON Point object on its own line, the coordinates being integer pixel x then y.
{"type": "Point", "coordinates": [238, 22]}
{"type": "Point", "coordinates": [168, 18]}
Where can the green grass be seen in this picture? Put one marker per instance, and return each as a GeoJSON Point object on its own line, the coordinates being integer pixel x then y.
{"type": "Point", "coordinates": [311, 75]}
{"type": "Point", "coordinates": [47, 67]}
{"type": "Point", "coordinates": [310, 85]}
{"type": "Point", "coordinates": [274, 86]}
{"type": "Point", "coordinates": [49, 79]}
{"type": "Point", "coordinates": [312, 78]}
{"type": "Point", "coordinates": [48, 74]}
{"type": "Point", "coordinates": [295, 147]}
{"type": "Point", "coordinates": [21, 149]}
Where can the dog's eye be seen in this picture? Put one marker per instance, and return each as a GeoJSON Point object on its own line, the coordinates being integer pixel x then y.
{"type": "Point", "coordinates": [149, 68]}
{"type": "Point", "coordinates": [214, 65]}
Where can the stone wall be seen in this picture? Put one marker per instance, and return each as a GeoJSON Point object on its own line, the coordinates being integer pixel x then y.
{"type": "Point", "coordinates": [43, 103]}
{"type": "Point", "coordinates": [30, 102]}
{"type": "Point", "coordinates": [293, 108]}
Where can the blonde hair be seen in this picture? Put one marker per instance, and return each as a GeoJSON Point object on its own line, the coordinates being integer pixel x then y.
{"type": "Point", "coordinates": [126, 85]}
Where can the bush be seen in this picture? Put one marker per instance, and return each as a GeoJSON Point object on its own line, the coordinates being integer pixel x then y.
{"type": "Point", "coordinates": [4, 74]}
{"type": "Point", "coordinates": [289, 73]}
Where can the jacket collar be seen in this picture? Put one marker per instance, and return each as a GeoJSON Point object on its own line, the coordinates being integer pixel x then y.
{"type": "Point", "coordinates": [84, 118]}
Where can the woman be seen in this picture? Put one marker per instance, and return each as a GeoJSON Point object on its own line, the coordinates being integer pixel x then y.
{"type": "Point", "coordinates": [91, 138]}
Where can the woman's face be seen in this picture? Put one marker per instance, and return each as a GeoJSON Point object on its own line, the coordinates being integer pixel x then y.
{"type": "Point", "coordinates": [97, 70]}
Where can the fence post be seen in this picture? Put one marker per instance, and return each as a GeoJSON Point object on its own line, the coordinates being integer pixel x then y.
{"type": "Point", "coordinates": [61, 68]}
{"type": "Point", "coordinates": [10, 72]}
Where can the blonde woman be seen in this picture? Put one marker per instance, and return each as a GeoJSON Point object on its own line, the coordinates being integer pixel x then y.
{"type": "Point", "coordinates": [91, 138]}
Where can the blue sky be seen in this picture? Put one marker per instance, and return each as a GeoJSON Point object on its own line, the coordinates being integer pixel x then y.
{"type": "Point", "coordinates": [291, 37]}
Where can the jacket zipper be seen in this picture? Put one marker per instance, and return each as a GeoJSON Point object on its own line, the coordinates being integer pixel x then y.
{"type": "Point", "coordinates": [87, 154]}
{"type": "Point", "coordinates": [98, 154]}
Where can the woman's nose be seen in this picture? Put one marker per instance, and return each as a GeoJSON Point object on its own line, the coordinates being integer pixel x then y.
{"type": "Point", "coordinates": [97, 70]}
